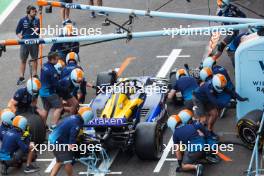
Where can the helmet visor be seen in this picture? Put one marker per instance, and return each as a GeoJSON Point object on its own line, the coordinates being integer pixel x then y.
{"type": "Point", "coordinates": [77, 83]}
{"type": "Point", "coordinates": [218, 88]}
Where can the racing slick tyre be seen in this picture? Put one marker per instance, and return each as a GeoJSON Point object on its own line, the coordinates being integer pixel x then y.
{"type": "Point", "coordinates": [178, 100]}
{"type": "Point", "coordinates": [105, 79]}
{"type": "Point", "coordinates": [172, 79]}
{"type": "Point", "coordinates": [36, 127]}
{"type": "Point", "coordinates": [248, 127]}
{"type": "Point", "coordinates": [148, 141]}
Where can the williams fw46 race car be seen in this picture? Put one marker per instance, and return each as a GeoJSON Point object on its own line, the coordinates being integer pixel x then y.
{"type": "Point", "coordinates": [130, 114]}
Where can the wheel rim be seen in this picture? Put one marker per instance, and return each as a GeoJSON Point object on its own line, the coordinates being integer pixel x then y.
{"type": "Point", "coordinates": [249, 135]}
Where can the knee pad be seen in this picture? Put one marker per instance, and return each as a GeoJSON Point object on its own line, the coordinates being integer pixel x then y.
{"type": "Point", "coordinates": [18, 156]}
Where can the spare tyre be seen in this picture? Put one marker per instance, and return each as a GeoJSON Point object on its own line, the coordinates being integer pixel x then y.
{"type": "Point", "coordinates": [248, 127]}
{"type": "Point", "coordinates": [148, 141]}
{"type": "Point", "coordinates": [37, 128]}
{"type": "Point", "coordinates": [105, 79]}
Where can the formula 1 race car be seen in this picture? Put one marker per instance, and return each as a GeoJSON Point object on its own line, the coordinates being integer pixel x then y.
{"type": "Point", "coordinates": [130, 113]}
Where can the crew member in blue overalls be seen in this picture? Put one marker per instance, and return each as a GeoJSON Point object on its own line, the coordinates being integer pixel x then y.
{"type": "Point", "coordinates": [210, 62]}
{"type": "Point", "coordinates": [210, 97]}
{"type": "Point", "coordinates": [7, 117]}
{"type": "Point", "coordinates": [186, 133]}
{"type": "Point", "coordinates": [25, 99]}
{"type": "Point", "coordinates": [72, 60]}
{"type": "Point", "coordinates": [251, 34]}
{"type": "Point", "coordinates": [15, 147]}
{"type": "Point", "coordinates": [28, 28]}
{"type": "Point", "coordinates": [227, 10]}
{"type": "Point", "coordinates": [66, 133]}
{"type": "Point", "coordinates": [186, 85]}
{"type": "Point", "coordinates": [49, 79]}
{"type": "Point", "coordinates": [66, 87]}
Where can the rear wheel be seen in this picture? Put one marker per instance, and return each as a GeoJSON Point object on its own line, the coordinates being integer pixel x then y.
{"type": "Point", "coordinates": [36, 127]}
{"type": "Point", "coordinates": [248, 127]}
{"type": "Point", "coordinates": [148, 141]}
{"type": "Point", "coordinates": [172, 79]}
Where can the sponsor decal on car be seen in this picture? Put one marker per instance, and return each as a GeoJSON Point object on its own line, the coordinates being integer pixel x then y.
{"type": "Point", "coordinates": [107, 122]}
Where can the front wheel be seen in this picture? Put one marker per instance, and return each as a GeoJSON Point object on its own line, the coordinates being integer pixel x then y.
{"type": "Point", "coordinates": [248, 127]}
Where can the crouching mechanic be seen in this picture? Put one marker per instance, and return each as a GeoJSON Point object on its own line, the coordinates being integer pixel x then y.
{"type": "Point", "coordinates": [7, 117]}
{"type": "Point", "coordinates": [15, 147]}
{"type": "Point", "coordinates": [210, 62]}
{"type": "Point", "coordinates": [66, 133]}
{"type": "Point", "coordinates": [72, 60]}
{"type": "Point", "coordinates": [210, 97]}
{"type": "Point", "coordinates": [25, 99]}
{"type": "Point", "coordinates": [66, 87]}
{"type": "Point", "coordinates": [206, 74]}
{"type": "Point", "coordinates": [186, 85]}
{"type": "Point", "coordinates": [185, 133]}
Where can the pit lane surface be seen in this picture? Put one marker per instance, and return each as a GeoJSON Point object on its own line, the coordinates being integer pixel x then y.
{"type": "Point", "coordinates": [109, 55]}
